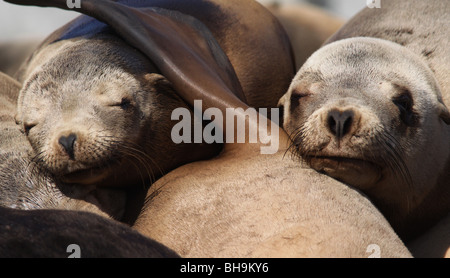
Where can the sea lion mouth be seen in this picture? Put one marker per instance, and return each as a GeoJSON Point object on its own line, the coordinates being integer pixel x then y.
{"type": "Point", "coordinates": [87, 176]}
{"type": "Point", "coordinates": [353, 171]}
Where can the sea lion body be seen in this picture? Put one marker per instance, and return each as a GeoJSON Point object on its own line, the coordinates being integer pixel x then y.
{"type": "Point", "coordinates": [76, 234]}
{"type": "Point", "coordinates": [14, 53]}
{"type": "Point", "coordinates": [111, 123]}
{"type": "Point", "coordinates": [368, 109]}
{"type": "Point", "coordinates": [245, 204]}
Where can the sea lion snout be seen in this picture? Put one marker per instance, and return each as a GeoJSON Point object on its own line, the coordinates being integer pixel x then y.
{"type": "Point", "coordinates": [73, 149]}
{"type": "Point", "coordinates": [340, 122]}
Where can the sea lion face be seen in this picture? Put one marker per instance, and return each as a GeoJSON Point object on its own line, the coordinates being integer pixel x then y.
{"type": "Point", "coordinates": [370, 114]}
{"type": "Point", "coordinates": [90, 117]}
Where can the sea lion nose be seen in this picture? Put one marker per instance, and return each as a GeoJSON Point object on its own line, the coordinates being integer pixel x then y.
{"type": "Point", "coordinates": [340, 122]}
{"type": "Point", "coordinates": [67, 143]}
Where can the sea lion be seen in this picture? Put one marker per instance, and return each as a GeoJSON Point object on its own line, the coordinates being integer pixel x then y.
{"type": "Point", "coordinates": [14, 53]}
{"type": "Point", "coordinates": [65, 234]}
{"type": "Point", "coordinates": [243, 178]}
{"type": "Point", "coordinates": [369, 109]}
{"type": "Point", "coordinates": [307, 26]}
{"type": "Point", "coordinates": [115, 130]}
{"type": "Point", "coordinates": [67, 218]}
{"type": "Point", "coordinates": [96, 111]}
{"type": "Point", "coordinates": [24, 185]}
{"type": "Point", "coordinates": [56, 215]}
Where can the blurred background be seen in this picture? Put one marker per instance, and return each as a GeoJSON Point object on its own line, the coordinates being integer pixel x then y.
{"type": "Point", "coordinates": [19, 22]}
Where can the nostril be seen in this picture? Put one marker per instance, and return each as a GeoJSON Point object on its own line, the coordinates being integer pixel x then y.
{"type": "Point", "coordinates": [348, 121]}
{"type": "Point", "coordinates": [67, 143]}
{"type": "Point", "coordinates": [332, 124]}
{"type": "Point", "coordinates": [340, 123]}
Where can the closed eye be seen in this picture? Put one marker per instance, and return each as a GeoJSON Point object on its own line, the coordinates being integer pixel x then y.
{"type": "Point", "coordinates": [125, 104]}
{"type": "Point", "coordinates": [297, 95]}
{"type": "Point", "coordinates": [405, 103]}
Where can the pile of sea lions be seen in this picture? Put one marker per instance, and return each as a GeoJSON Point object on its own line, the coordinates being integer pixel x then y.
{"type": "Point", "coordinates": [363, 160]}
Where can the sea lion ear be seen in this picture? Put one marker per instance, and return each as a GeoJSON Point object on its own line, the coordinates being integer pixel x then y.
{"type": "Point", "coordinates": [161, 84]}
{"type": "Point", "coordinates": [444, 114]}
{"type": "Point", "coordinates": [17, 118]}
{"type": "Point", "coordinates": [182, 48]}
{"type": "Point", "coordinates": [157, 80]}
{"type": "Point", "coordinates": [282, 101]}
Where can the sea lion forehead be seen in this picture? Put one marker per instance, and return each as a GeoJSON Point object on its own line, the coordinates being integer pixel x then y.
{"type": "Point", "coordinates": [347, 55]}
{"type": "Point", "coordinates": [369, 59]}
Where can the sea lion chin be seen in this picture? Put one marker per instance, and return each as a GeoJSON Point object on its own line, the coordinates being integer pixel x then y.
{"type": "Point", "coordinates": [360, 173]}
{"type": "Point", "coordinates": [89, 176]}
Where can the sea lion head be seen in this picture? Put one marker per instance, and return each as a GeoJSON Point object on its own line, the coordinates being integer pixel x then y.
{"type": "Point", "coordinates": [97, 112]}
{"type": "Point", "coordinates": [24, 185]}
{"type": "Point", "coordinates": [369, 113]}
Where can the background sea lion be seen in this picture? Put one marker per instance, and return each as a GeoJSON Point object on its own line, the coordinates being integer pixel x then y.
{"type": "Point", "coordinates": [50, 234]}
{"type": "Point", "coordinates": [307, 26]}
{"type": "Point", "coordinates": [362, 106]}
{"type": "Point", "coordinates": [78, 137]}
{"type": "Point", "coordinates": [14, 53]}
